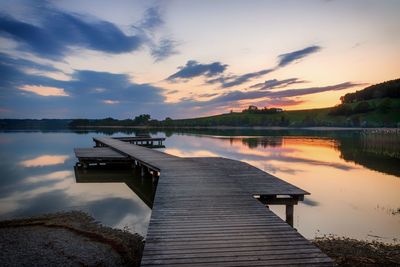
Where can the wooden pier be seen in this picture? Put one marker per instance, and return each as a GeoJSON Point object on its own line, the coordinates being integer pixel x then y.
{"type": "Point", "coordinates": [144, 140]}
{"type": "Point", "coordinates": [212, 212]}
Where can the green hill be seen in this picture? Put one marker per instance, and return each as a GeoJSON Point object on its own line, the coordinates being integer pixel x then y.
{"type": "Point", "coordinates": [389, 116]}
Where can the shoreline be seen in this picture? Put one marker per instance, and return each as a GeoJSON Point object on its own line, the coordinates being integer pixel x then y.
{"type": "Point", "coordinates": [76, 238]}
{"type": "Point", "coordinates": [177, 128]}
{"type": "Point", "coordinates": [64, 239]}
{"type": "Point", "coordinates": [320, 128]}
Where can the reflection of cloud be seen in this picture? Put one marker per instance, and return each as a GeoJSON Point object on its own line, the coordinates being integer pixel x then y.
{"type": "Point", "coordinates": [45, 160]}
{"type": "Point", "coordinates": [54, 176]}
{"type": "Point", "coordinates": [18, 198]}
{"type": "Point", "coordinates": [197, 153]}
{"type": "Point", "coordinates": [339, 166]}
{"type": "Point", "coordinates": [62, 193]}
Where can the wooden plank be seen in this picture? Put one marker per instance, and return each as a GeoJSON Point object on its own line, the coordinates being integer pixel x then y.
{"type": "Point", "coordinates": [98, 152]}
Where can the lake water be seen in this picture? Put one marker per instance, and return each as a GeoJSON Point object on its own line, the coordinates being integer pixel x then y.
{"type": "Point", "coordinates": [353, 177]}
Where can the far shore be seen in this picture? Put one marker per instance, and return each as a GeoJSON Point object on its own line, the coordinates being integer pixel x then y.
{"type": "Point", "coordinates": [322, 128]}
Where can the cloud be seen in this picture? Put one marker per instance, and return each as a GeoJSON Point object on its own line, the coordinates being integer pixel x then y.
{"type": "Point", "coordinates": [274, 98]}
{"type": "Point", "coordinates": [288, 58]}
{"type": "Point", "coordinates": [125, 98]}
{"type": "Point", "coordinates": [311, 90]}
{"type": "Point", "coordinates": [25, 63]}
{"type": "Point", "coordinates": [231, 81]}
{"type": "Point", "coordinates": [44, 90]}
{"type": "Point", "coordinates": [110, 102]}
{"type": "Point", "coordinates": [164, 49]}
{"type": "Point", "coordinates": [151, 19]}
{"type": "Point", "coordinates": [194, 69]}
{"type": "Point", "coordinates": [276, 84]}
{"type": "Point", "coordinates": [278, 102]}
{"type": "Point", "coordinates": [59, 31]}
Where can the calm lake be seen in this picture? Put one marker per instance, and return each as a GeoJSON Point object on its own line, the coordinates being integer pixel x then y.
{"type": "Point", "coordinates": [353, 177]}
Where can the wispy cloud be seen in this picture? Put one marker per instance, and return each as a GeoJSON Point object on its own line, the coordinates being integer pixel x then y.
{"type": "Point", "coordinates": [238, 95]}
{"type": "Point", "coordinates": [152, 19]}
{"type": "Point", "coordinates": [194, 69]}
{"type": "Point", "coordinates": [311, 90]}
{"type": "Point", "coordinates": [164, 49]}
{"type": "Point", "coordinates": [277, 84]}
{"type": "Point", "coordinates": [235, 80]}
{"type": "Point", "coordinates": [278, 102]}
{"type": "Point", "coordinates": [288, 58]}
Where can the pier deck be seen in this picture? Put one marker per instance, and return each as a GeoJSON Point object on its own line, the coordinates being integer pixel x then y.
{"type": "Point", "coordinates": [205, 213]}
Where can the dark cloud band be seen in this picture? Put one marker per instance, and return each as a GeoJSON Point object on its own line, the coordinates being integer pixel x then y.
{"type": "Point", "coordinates": [194, 69]}
{"type": "Point", "coordinates": [288, 58]}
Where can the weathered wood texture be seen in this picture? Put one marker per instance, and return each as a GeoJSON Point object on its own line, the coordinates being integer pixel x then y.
{"type": "Point", "coordinates": [139, 138]}
{"type": "Point", "coordinates": [97, 152]}
{"type": "Point", "coordinates": [204, 214]}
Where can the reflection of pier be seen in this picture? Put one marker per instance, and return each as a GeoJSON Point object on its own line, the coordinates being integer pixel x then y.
{"type": "Point", "coordinates": [205, 213]}
{"type": "Point", "coordinates": [146, 141]}
{"type": "Point", "coordinates": [143, 186]}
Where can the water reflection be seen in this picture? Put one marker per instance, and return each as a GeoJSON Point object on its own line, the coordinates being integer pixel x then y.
{"type": "Point", "coordinates": [143, 186]}
{"type": "Point", "coordinates": [353, 177]}
{"type": "Point", "coordinates": [45, 160]}
{"type": "Point", "coordinates": [345, 193]}
{"type": "Point", "coordinates": [36, 187]}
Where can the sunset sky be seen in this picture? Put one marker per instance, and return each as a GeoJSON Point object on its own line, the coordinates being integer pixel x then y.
{"type": "Point", "coordinates": [96, 59]}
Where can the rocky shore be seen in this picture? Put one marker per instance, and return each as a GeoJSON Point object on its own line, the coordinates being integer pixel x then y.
{"type": "Point", "coordinates": [351, 252]}
{"type": "Point", "coordinates": [66, 239]}
{"type": "Point", "coordinates": [76, 239]}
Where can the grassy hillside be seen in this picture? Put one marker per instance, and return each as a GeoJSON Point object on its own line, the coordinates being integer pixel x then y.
{"type": "Point", "coordinates": [381, 112]}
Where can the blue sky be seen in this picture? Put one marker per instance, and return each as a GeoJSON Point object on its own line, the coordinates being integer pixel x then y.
{"type": "Point", "coordinates": [95, 59]}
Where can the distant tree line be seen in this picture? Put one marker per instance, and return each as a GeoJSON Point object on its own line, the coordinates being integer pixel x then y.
{"type": "Point", "coordinates": [390, 89]}
{"type": "Point", "coordinates": [265, 110]}
{"type": "Point", "coordinates": [141, 120]}
{"type": "Point", "coordinates": [21, 124]}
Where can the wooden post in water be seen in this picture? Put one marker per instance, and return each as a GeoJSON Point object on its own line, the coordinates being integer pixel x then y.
{"type": "Point", "coordinates": [142, 170]}
{"type": "Point", "coordinates": [289, 214]}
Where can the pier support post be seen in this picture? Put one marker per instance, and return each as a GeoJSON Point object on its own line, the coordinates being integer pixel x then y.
{"type": "Point", "coordinates": [142, 171]}
{"type": "Point", "coordinates": [289, 214]}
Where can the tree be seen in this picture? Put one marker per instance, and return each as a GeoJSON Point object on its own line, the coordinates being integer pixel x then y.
{"type": "Point", "coordinates": [362, 107]}
{"type": "Point", "coordinates": [385, 105]}
{"type": "Point", "coordinates": [341, 110]}
{"type": "Point", "coordinates": [142, 119]}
